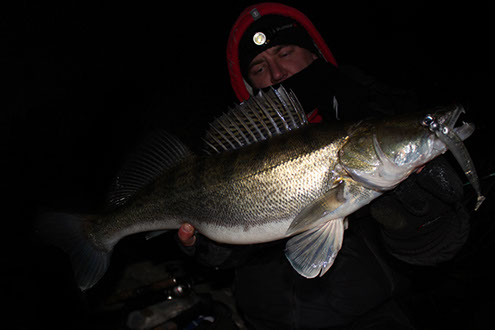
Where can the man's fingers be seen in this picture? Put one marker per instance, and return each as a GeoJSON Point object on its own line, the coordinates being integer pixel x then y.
{"type": "Point", "coordinates": [186, 235]}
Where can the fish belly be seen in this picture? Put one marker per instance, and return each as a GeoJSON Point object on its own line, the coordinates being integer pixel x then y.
{"type": "Point", "coordinates": [246, 235]}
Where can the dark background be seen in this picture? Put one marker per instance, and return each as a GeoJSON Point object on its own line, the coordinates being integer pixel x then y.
{"type": "Point", "coordinates": [84, 81]}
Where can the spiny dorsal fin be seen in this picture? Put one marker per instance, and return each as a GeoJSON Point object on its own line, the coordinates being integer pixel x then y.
{"type": "Point", "coordinates": [262, 116]}
{"type": "Point", "coordinates": [158, 153]}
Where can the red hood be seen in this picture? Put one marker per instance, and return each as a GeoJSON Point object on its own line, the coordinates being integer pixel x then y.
{"type": "Point", "coordinates": [245, 20]}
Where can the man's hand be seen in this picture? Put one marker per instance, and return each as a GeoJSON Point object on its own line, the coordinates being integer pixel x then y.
{"type": "Point", "coordinates": [207, 252]}
{"type": "Point", "coordinates": [423, 220]}
{"type": "Point", "coordinates": [186, 235]}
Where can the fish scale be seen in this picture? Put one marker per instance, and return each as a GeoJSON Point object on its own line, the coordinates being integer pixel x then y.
{"type": "Point", "coordinates": [275, 185]}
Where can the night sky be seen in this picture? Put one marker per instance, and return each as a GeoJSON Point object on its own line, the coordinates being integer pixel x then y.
{"type": "Point", "coordinates": [86, 80]}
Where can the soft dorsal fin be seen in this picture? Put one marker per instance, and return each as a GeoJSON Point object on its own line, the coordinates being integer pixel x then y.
{"type": "Point", "coordinates": [161, 151]}
{"type": "Point", "coordinates": [269, 113]}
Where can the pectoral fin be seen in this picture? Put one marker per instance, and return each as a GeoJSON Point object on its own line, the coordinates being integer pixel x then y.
{"type": "Point", "coordinates": [322, 225]}
{"type": "Point", "coordinates": [342, 200]}
{"type": "Point", "coordinates": [318, 211]}
{"type": "Point", "coordinates": [313, 252]}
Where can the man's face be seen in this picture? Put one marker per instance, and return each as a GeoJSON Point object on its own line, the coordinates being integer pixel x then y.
{"type": "Point", "coordinates": [278, 63]}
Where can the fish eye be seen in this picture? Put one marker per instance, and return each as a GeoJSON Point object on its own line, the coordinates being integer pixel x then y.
{"type": "Point", "coordinates": [428, 120]}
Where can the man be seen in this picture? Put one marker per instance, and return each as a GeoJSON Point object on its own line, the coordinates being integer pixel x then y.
{"type": "Point", "coordinates": [421, 222]}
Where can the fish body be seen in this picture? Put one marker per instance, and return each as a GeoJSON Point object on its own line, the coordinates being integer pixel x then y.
{"type": "Point", "coordinates": [243, 196]}
{"type": "Point", "coordinates": [296, 180]}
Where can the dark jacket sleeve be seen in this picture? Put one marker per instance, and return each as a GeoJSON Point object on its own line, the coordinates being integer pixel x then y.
{"type": "Point", "coordinates": [423, 221]}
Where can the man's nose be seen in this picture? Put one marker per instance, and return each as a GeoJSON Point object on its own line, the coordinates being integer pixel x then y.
{"type": "Point", "coordinates": [278, 73]}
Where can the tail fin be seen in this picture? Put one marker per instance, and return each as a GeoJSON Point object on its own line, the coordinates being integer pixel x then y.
{"type": "Point", "coordinates": [89, 262]}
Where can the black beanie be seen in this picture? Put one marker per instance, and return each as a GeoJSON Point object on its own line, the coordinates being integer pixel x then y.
{"type": "Point", "coordinates": [269, 31]}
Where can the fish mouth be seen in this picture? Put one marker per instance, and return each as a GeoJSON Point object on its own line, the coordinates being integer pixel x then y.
{"type": "Point", "coordinates": [448, 118]}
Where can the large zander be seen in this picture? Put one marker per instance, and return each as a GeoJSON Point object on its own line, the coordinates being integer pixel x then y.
{"type": "Point", "coordinates": [269, 175]}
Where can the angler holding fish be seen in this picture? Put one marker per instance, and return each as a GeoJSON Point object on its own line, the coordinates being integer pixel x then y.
{"type": "Point", "coordinates": [289, 168]}
{"type": "Point", "coordinates": [421, 221]}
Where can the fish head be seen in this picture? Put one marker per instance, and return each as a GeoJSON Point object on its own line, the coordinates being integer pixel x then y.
{"type": "Point", "coordinates": [381, 154]}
